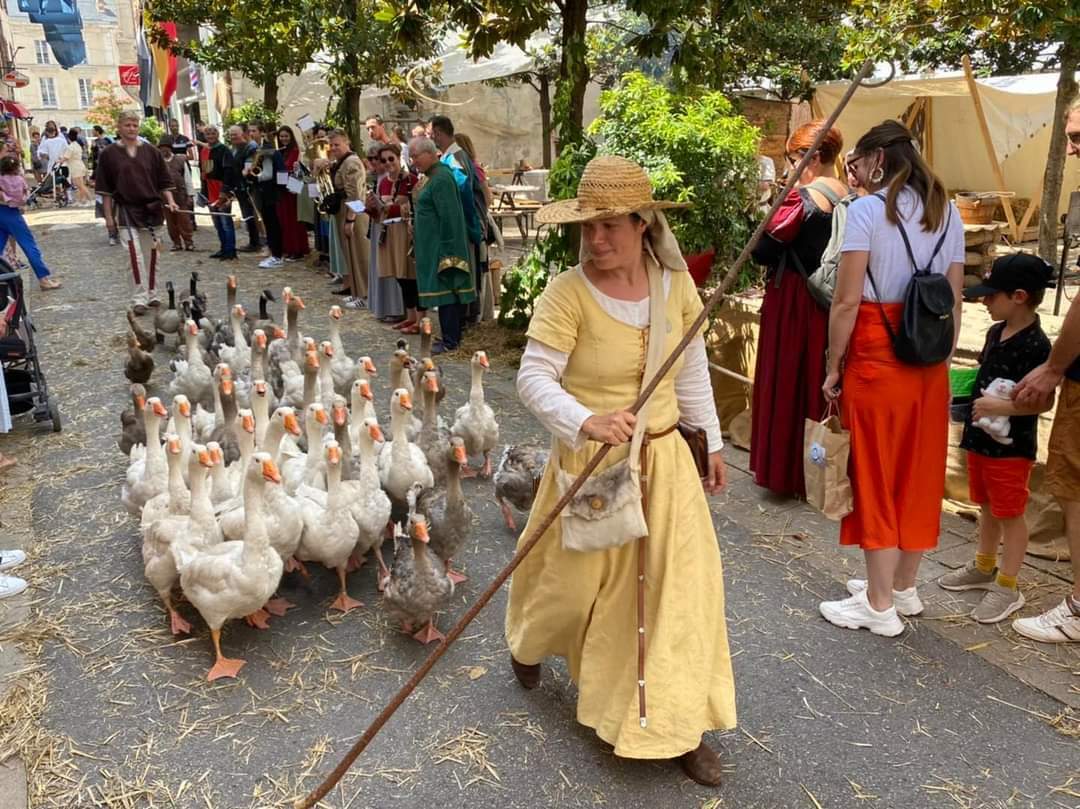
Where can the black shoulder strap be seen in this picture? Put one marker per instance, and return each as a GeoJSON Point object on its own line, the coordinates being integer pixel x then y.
{"type": "Point", "coordinates": [907, 242]}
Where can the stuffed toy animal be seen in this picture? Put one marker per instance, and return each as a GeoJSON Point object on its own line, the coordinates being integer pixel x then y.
{"type": "Point", "coordinates": [997, 426]}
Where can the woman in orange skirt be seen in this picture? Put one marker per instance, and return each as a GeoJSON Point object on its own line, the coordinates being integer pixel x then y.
{"type": "Point", "coordinates": [897, 413]}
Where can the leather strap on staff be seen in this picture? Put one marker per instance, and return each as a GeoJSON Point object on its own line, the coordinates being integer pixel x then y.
{"type": "Point", "coordinates": [542, 526]}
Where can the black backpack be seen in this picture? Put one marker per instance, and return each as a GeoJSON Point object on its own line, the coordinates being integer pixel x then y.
{"type": "Point", "coordinates": [927, 326]}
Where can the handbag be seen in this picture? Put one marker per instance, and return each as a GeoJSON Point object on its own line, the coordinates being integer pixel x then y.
{"type": "Point", "coordinates": [331, 203]}
{"type": "Point", "coordinates": [826, 447]}
{"type": "Point", "coordinates": [698, 443]}
{"type": "Point", "coordinates": [927, 326]}
{"type": "Point", "coordinates": [607, 511]}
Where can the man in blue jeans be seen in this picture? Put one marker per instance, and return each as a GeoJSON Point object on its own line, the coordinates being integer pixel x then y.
{"type": "Point", "coordinates": [222, 169]}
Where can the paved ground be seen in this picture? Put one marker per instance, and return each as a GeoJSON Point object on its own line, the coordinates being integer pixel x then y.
{"type": "Point", "coordinates": [108, 710]}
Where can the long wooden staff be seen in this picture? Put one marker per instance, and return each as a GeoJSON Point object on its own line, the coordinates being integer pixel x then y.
{"type": "Point", "coordinates": [451, 636]}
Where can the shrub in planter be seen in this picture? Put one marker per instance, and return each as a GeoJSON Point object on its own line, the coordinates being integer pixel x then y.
{"type": "Point", "coordinates": [696, 148]}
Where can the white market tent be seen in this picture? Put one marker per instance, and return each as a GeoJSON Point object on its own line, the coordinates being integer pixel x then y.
{"type": "Point", "coordinates": [1017, 111]}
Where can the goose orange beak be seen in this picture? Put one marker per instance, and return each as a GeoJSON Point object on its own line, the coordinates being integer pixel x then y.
{"type": "Point", "coordinates": [420, 530]}
{"type": "Point", "coordinates": [140, 402]}
{"type": "Point", "coordinates": [369, 367]}
{"type": "Point", "coordinates": [159, 409]}
{"type": "Point", "coordinates": [292, 424]}
{"type": "Point", "coordinates": [206, 459]}
{"type": "Point", "coordinates": [320, 416]}
{"type": "Point", "coordinates": [299, 301]}
{"type": "Point", "coordinates": [260, 388]}
{"type": "Point", "coordinates": [425, 326]}
{"type": "Point", "coordinates": [226, 385]}
{"type": "Point", "coordinates": [459, 454]}
{"type": "Point", "coordinates": [341, 416]}
{"type": "Point", "coordinates": [192, 328]}
{"type": "Point", "coordinates": [174, 445]}
{"type": "Point", "coordinates": [333, 454]}
{"type": "Point", "coordinates": [431, 383]}
{"type": "Point", "coordinates": [405, 401]}
{"type": "Point", "coordinates": [335, 312]}
{"type": "Point", "coordinates": [216, 455]}
{"type": "Point", "coordinates": [328, 350]}
{"type": "Point", "coordinates": [238, 310]}
{"type": "Point", "coordinates": [185, 409]}
{"type": "Point", "coordinates": [230, 282]}
{"type": "Point", "coordinates": [365, 391]}
{"type": "Point", "coordinates": [429, 364]}
{"type": "Point", "coordinates": [279, 333]}
{"type": "Point", "coordinates": [375, 432]}
{"type": "Point", "coordinates": [270, 471]}
{"type": "Point", "coordinates": [484, 363]}
{"type": "Point", "coordinates": [247, 423]}
{"type": "Point", "coordinates": [260, 339]}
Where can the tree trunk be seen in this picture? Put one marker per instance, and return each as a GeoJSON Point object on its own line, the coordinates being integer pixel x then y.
{"type": "Point", "coordinates": [270, 95]}
{"type": "Point", "coordinates": [573, 73]}
{"type": "Point", "coordinates": [351, 106]}
{"type": "Point", "coordinates": [545, 119]}
{"type": "Point", "coordinates": [1069, 60]}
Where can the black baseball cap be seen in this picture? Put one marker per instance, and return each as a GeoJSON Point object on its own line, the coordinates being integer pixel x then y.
{"type": "Point", "coordinates": [1024, 271]}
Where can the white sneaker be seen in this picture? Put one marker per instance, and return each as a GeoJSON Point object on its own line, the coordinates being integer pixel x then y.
{"type": "Point", "coordinates": [355, 303]}
{"type": "Point", "coordinates": [11, 559]}
{"type": "Point", "coordinates": [271, 263]}
{"type": "Point", "coordinates": [907, 602]}
{"type": "Point", "coordinates": [11, 586]}
{"type": "Point", "coordinates": [856, 613]}
{"type": "Point", "coordinates": [1059, 625]}
{"type": "Point", "coordinates": [139, 300]}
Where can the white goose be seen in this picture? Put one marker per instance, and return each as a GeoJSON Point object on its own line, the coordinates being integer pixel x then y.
{"type": "Point", "coordinates": [475, 421]}
{"type": "Point", "coordinates": [306, 467]}
{"type": "Point", "coordinates": [344, 368]}
{"type": "Point", "coordinates": [238, 355]}
{"type": "Point", "coordinates": [175, 499]}
{"type": "Point", "coordinates": [192, 376]}
{"type": "Point", "coordinates": [329, 529]}
{"type": "Point", "coordinates": [146, 474]}
{"type": "Point", "coordinates": [234, 579]}
{"type": "Point", "coordinates": [326, 374]}
{"type": "Point", "coordinates": [401, 463]}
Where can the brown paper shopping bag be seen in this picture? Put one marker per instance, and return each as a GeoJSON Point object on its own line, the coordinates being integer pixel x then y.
{"type": "Point", "coordinates": [826, 447]}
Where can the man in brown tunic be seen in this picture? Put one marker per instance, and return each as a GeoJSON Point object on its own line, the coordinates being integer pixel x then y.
{"type": "Point", "coordinates": [132, 178]}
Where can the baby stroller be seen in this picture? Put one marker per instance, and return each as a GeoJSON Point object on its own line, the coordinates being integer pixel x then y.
{"type": "Point", "coordinates": [55, 185]}
{"type": "Point", "coordinates": [23, 378]}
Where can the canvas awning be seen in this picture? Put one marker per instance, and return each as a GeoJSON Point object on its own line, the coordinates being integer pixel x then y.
{"type": "Point", "coordinates": [1018, 111]}
{"type": "Point", "coordinates": [13, 109]}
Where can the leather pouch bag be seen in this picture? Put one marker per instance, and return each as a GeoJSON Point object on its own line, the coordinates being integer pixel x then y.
{"type": "Point", "coordinates": [698, 443]}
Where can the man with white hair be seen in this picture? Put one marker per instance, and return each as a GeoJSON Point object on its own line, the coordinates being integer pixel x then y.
{"type": "Point", "coordinates": [132, 179]}
{"type": "Point", "coordinates": [443, 273]}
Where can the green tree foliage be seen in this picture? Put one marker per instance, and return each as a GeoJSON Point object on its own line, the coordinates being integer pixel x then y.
{"type": "Point", "coordinates": [251, 111]}
{"type": "Point", "coordinates": [107, 104]}
{"type": "Point", "coordinates": [265, 39]}
{"type": "Point", "coordinates": [724, 45]}
{"type": "Point", "coordinates": [152, 129]}
{"type": "Point", "coordinates": [696, 149]}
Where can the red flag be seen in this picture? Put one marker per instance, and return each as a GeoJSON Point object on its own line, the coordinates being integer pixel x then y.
{"type": "Point", "coordinates": [165, 62]}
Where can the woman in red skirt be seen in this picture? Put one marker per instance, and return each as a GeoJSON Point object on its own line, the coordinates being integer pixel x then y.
{"type": "Point", "coordinates": [896, 413]}
{"type": "Point", "coordinates": [294, 236]}
{"type": "Point", "coordinates": [791, 344]}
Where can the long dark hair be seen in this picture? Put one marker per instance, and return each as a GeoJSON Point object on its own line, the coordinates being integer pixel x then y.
{"type": "Point", "coordinates": [904, 166]}
{"type": "Point", "coordinates": [292, 139]}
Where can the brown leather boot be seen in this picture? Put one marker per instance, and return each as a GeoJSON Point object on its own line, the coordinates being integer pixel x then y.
{"type": "Point", "coordinates": [528, 676]}
{"type": "Point", "coordinates": [703, 765]}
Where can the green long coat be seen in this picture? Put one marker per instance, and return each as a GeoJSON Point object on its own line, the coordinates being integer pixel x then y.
{"type": "Point", "coordinates": [443, 273]}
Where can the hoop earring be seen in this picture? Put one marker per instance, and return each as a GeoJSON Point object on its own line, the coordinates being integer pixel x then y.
{"type": "Point", "coordinates": [877, 175]}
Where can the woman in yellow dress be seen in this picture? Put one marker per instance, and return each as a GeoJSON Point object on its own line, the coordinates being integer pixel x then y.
{"type": "Point", "coordinates": [582, 369]}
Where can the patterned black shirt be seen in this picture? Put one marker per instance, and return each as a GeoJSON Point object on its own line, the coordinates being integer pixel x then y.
{"type": "Point", "coordinates": [1008, 359]}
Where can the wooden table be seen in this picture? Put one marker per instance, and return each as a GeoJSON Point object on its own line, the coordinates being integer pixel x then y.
{"type": "Point", "coordinates": [521, 210]}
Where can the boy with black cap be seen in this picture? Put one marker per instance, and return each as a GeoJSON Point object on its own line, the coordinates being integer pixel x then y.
{"type": "Point", "coordinates": [998, 472]}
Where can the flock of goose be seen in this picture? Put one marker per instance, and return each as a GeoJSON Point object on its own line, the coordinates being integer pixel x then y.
{"type": "Point", "coordinates": [269, 455]}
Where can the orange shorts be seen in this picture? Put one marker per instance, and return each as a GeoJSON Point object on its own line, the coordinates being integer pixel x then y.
{"type": "Point", "coordinates": [1001, 483]}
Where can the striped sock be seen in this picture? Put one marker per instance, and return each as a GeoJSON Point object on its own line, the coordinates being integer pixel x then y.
{"type": "Point", "coordinates": [985, 562]}
{"type": "Point", "coordinates": [1006, 581]}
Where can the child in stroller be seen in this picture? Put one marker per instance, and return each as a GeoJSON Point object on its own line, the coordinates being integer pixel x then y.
{"type": "Point", "coordinates": [55, 185]}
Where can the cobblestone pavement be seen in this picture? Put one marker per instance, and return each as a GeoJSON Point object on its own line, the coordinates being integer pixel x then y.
{"type": "Point", "coordinates": [108, 709]}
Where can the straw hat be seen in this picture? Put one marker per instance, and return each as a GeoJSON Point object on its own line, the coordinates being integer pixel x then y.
{"type": "Point", "coordinates": [610, 186]}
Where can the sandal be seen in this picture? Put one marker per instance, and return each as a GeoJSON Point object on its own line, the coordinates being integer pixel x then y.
{"type": "Point", "coordinates": [412, 328]}
{"type": "Point", "coordinates": [49, 283]}
{"type": "Point", "coordinates": [6, 462]}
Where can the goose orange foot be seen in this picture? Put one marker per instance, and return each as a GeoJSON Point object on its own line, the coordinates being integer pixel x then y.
{"type": "Point", "coordinates": [345, 603]}
{"type": "Point", "coordinates": [429, 633]}
{"type": "Point", "coordinates": [278, 606]}
{"type": "Point", "coordinates": [225, 667]}
{"type": "Point", "coordinates": [469, 472]}
{"type": "Point", "coordinates": [177, 624]}
{"type": "Point", "coordinates": [508, 515]}
{"type": "Point", "coordinates": [260, 619]}
{"type": "Point", "coordinates": [355, 563]}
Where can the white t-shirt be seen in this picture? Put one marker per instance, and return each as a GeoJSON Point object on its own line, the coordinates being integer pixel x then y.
{"type": "Point", "coordinates": [52, 149]}
{"type": "Point", "coordinates": [867, 229]}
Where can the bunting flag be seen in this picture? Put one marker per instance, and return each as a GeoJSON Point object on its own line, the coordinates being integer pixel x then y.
{"type": "Point", "coordinates": [165, 65]}
{"type": "Point", "coordinates": [149, 92]}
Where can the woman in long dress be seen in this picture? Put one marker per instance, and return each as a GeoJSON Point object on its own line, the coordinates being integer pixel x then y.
{"type": "Point", "coordinates": [384, 297]}
{"type": "Point", "coordinates": [72, 157]}
{"type": "Point", "coordinates": [581, 370]}
{"type": "Point", "coordinates": [294, 238]}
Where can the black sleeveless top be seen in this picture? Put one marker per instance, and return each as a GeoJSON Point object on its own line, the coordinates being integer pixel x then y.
{"type": "Point", "coordinates": [803, 253]}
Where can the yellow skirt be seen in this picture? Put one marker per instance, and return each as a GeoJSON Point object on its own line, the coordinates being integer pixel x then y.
{"type": "Point", "coordinates": [583, 607]}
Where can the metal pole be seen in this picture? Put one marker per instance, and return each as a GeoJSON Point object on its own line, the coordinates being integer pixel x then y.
{"type": "Point", "coordinates": [1061, 269]}
{"type": "Point", "coordinates": [715, 300]}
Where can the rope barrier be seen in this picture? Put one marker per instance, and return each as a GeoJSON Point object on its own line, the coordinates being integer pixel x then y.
{"type": "Point", "coordinates": [714, 301]}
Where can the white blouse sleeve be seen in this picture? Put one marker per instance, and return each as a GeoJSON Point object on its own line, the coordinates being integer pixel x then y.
{"type": "Point", "coordinates": [693, 389]}
{"type": "Point", "coordinates": [539, 384]}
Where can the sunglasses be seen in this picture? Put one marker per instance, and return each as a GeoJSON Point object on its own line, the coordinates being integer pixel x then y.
{"type": "Point", "coordinates": [387, 159]}
{"type": "Point", "coordinates": [1074, 138]}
